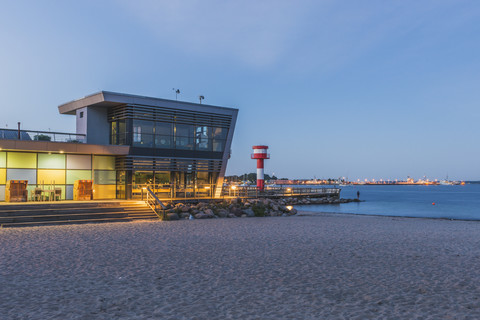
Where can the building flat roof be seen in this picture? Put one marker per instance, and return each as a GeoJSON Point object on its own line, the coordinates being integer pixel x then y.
{"type": "Point", "coordinates": [111, 99]}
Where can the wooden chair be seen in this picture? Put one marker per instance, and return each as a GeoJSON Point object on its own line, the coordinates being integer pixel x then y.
{"type": "Point", "coordinates": [37, 194]}
{"type": "Point", "coordinates": [58, 194]}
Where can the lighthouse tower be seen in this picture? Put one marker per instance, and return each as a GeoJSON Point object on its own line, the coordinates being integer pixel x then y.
{"type": "Point", "coordinates": [260, 153]}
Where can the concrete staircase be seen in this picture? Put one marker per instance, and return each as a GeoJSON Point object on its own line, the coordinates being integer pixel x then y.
{"type": "Point", "coordinates": [57, 213]}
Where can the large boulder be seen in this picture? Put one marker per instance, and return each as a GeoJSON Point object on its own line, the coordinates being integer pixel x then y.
{"type": "Point", "coordinates": [222, 213]}
{"type": "Point", "coordinates": [209, 213]}
{"type": "Point", "coordinates": [172, 216]}
{"type": "Point", "coordinates": [237, 212]}
{"type": "Point", "coordinates": [248, 212]}
{"type": "Point", "coordinates": [184, 215]}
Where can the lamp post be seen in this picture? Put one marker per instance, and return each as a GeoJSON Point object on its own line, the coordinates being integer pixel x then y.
{"type": "Point", "coordinates": [201, 98]}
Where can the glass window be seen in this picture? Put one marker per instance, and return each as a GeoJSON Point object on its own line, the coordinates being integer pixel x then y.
{"type": "Point", "coordinates": [21, 160]}
{"type": "Point", "coordinates": [218, 145]}
{"type": "Point", "coordinates": [143, 133]}
{"type": "Point", "coordinates": [50, 176]}
{"type": "Point", "coordinates": [137, 134]}
{"type": "Point", "coordinates": [146, 126]}
{"type": "Point", "coordinates": [146, 141]}
{"type": "Point", "coordinates": [74, 175]}
{"type": "Point", "coordinates": [3, 176]}
{"type": "Point", "coordinates": [122, 132]}
{"type": "Point", "coordinates": [75, 161]}
{"type": "Point", "coordinates": [163, 128]}
{"type": "Point", "coordinates": [22, 174]}
{"type": "Point", "coordinates": [3, 159]}
{"type": "Point", "coordinates": [220, 133]}
{"type": "Point", "coordinates": [114, 132]}
{"type": "Point", "coordinates": [184, 143]}
{"type": "Point", "coordinates": [202, 138]}
{"type": "Point", "coordinates": [184, 136]}
{"type": "Point", "coordinates": [51, 161]}
{"type": "Point", "coordinates": [184, 130]}
{"type": "Point", "coordinates": [104, 177]}
{"type": "Point", "coordinates": [104, 162]}
{"type": "Point", "coordinates": [162, 177]}
{"type": "Point", "coordinates": [143, 177]}
{"type": "Point", "coordinates": [104, 192]}
{"type": "Point", "coordinates": [162, 141]}
{"type": "Point", "coordinates": [202, 178]}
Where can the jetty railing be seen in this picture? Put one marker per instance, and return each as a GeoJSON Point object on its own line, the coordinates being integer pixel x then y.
{"type": "Point", "coordinates": [252, 191]}
{"type": "Point", "coordinates": [153, 202]}
{"type": "Point", "coordinates": [174, 191]}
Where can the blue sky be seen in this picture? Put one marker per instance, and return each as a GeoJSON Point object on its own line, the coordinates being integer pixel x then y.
{"type": "Point", "coordinates": [364, 89]}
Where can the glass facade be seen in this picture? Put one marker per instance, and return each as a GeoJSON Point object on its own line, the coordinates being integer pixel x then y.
{"type": "Point", "coordinates": [168, 184]}
{"type": "Point", "coordinates": [49, 171]}
{"type": "Point", "coordinates": [165, 135]}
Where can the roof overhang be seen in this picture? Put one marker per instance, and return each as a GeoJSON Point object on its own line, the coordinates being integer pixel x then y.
{"type": "Point", "coordinates": [109, 99]}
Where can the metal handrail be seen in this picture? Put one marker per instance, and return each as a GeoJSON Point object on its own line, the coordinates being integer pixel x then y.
{"type": "Point", "coordinates": [152, 196]}
{"type": "Point", "coordinates": [35, 135]}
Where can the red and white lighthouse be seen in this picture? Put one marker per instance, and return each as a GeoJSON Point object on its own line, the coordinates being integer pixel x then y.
{"type": "Point", "coordinates": [260, 153]}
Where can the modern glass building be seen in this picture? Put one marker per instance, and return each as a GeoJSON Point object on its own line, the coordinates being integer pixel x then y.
{"type": "Point", "coordinates": [123, 143]}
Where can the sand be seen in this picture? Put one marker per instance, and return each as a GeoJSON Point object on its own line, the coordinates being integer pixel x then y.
{"type": "Point", "coordinates": [303, 267]}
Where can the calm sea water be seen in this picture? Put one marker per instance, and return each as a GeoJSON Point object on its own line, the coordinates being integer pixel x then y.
{"type": "Point", "coordinates": [453, 202]}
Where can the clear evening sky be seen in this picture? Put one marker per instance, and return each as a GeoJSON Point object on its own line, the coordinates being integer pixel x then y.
{"type": "Point", "coordinates": [364, 89]}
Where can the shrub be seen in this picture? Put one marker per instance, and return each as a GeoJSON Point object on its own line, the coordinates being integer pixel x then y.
{"type": "Point", "coordinates": [42, 137]}
{"type": "Point", "coordinates": [259, 210]}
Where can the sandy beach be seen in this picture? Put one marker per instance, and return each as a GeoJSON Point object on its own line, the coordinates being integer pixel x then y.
{"type": "Point", "coordinates": [303, 267]}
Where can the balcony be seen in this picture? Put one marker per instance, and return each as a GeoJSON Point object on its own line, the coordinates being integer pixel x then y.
{"type": "Point", "coordinates": [28, 135]}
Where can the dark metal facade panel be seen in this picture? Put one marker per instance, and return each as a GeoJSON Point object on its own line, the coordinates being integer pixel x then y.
{"type": "Point", "coordinates": [156, 152]}
{"type": "Point", "coordinates": [137, 163]}
{"type": "Point", "coordinates": [171, 115]}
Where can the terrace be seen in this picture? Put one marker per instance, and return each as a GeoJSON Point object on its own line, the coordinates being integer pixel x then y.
{"type": "Point", "coordinates": [30, 135]}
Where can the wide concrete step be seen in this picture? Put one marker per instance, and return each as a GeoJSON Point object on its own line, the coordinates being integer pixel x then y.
{"type": "Point", "coordinates": [71, 217]}
{"type": "Point", "coordinates": [63, 211]}
{"type": "Point", "coordinates": [146, 217]}
{"type": "Point", "coordinates": [62, 222]}
{"type": "Point", "coordinates": [73, 212]}
{"type": "Point", "coordinates": [59, 205]}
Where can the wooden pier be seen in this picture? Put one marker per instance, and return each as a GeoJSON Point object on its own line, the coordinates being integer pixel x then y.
{"type": "Point", "coordinates": [280, 192]}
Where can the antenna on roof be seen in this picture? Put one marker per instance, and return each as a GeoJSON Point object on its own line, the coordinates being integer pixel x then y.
{"type": "Point", "coordinates": [177, 92]}
{"type": "Point", "coordinates": [201, 98]}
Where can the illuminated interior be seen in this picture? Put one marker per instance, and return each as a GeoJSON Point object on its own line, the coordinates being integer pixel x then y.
{"type": "Point", "coordinates": [49, 171]}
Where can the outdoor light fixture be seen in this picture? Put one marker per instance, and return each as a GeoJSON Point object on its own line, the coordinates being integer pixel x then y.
{"type": "Point", "coordinates": [201, 98]}
{"type": "Point", "coordinates": [177, 92]}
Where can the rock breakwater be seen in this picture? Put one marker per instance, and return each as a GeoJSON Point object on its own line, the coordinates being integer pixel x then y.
{"type": "Point", "coordinates": [243, 208]}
